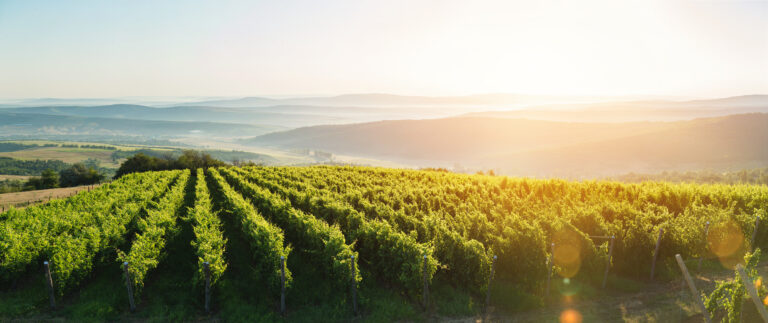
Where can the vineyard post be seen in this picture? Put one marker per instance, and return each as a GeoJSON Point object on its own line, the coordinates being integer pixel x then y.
{"type": "Point", "coordinates": [426, 286]}
{"type": "Point", "coordinates": [608, 264]}
{"type": "Point", "coordinates": [706, 233]}
{"type": "Point", "coordinates": [682, 295]}
{"type": "Point", "coordinates": [692, 287]}
{"type": "Point", "coordinates": [49, 282]}
{"type": "Point", "coordinates": [549, 271]}
{"type": "Point", "coordinates": [490, 279]}
{"type": "Point", "coordinates": [129, 286]}
{"type": "Point", "coordinates": [752, 292]}
{"type": "Point", "coordinates": [354, 284]}
{"type": "Point", "coordinates": [754, 232]}
{"type": "Point", "coordinates": [207, 271]}
{"type": "Point", "coordinates": [656, 252]}
{"type": "Point", "coordinates": [282, 289]}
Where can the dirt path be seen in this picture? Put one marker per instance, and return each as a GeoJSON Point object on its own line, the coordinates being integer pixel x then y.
{"type": "Point", "coordinates": [24, 199]}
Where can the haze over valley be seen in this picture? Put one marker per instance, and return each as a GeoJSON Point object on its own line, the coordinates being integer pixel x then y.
{"type": "Point", "coordinates": [510, 134]}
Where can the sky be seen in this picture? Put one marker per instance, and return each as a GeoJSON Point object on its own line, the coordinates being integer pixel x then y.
{"type": "Point", "coordinates": [82, 49]}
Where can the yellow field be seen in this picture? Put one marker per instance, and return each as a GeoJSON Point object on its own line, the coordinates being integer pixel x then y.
{"type": "Point", "coordinates": [14, 177]}
{"type": "Point", "coordinates": [67, 155]}
{"type": "Point", "coordinates": [23, 199]}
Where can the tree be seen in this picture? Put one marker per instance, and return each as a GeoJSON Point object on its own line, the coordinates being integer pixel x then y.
{"type": "Point", "coordinates": [79, 174]}
{"type": "Point", "coordinates": [49, 179]}
{"type": "Point", "coordinates": [189, 159]}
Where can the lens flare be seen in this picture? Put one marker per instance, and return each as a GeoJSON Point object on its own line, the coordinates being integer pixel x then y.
{"type": "Point", "coordinates": [567, 253]}
{"type": "Point", "coordinates": [570, 316]}
{"type": "Point", "coordinates": [726, 241]}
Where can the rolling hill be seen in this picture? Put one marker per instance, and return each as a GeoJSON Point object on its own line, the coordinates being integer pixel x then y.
{"type": "Point", "coordinates": [392, 100]}
{"type": "Point", "coordinates": [15, 124]}
{"type": "Point", "coordinates": [535, 147]}
{"type": "Point", "coordinates": [637, 110]}
{"type": "Point", "coordinates": [280, 116]}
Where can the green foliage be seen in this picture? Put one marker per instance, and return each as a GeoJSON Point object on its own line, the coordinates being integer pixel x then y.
{"type": "Point", "coordinates": [209, 240]}
{"type": "Point", "coordinates": [390, 219]}
{"type": "Point", "coordinates": [153, 231]}
{"type": "Point", "coordinates": [266, 240]}
{"type": "Point", "coordinates": [325, 242]}
{"type": "Point", "coordinates": [79, 174]}
{"type": "Point", "coordinates": [49, 178]}
{"type": "Point", "coordinates": [12, 166]}
{"type": "Point", "coordinates": [397, 256]}
{"type": "Point", "coordinates": [72, 233]}
{"type": "Point", "coordinates": [728, 298]}
{"type": "Point", "coordinates": [189, 159]}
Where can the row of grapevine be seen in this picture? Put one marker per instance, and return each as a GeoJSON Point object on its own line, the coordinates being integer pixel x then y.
{"type": "Point", "coordinates": [517, 219]}
{"type": "Point", "coordinates": [209, 242]}
{"type": "Point", "coordinates": [266, 240]}
{"type": "Point", "coordinates": [72, 232]}
{"type": "Point", "coordinates": [466, 260]}
{"type": "Point", "coordinates": [393, 255]}
{"type": "Point", "coordinates": [154, 230]}
{"type": "Point", "coordinates": [326, 243]}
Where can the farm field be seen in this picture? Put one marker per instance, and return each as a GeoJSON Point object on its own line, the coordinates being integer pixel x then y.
{"type": "Point", "coordinates": [396, 244]}
{"type": "Point", "coordinates": [67, 155]}
{"type": "Point", "coordinates": [14, 177]}
{"type": "Point", "coordinates": [21, 199]}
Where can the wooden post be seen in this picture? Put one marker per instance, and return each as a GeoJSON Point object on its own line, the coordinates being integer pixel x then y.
{"type": "Point", "coordinates": [129, 286]}
{"type": "Point", "coordinates": [692, 287]}
{"type": "Point", "coordinates": [704, 250]}
{"type": "Point", "coordinates": [354, 284]}
{"type": "Point", "coordinates": [426, 285]}
{"type": "Point", "coordinates": [549, 271]}
{"type": "Point", "coordinates": [282, 291]}
{"type": "Point", "coordinates": [490, 279]}
{"type": "Point", "coordinates": [754, 232]}
{"type": "Point", "coordinates": [49, 282]}
{"type": "Point", "coordinates": [608, 264]}
{"type": "Point", "coordinates": [207, 272]}
{"type": "Point", "coordinates": [749, 285]}
{"type": "Point", "coordinates": [656, 252]}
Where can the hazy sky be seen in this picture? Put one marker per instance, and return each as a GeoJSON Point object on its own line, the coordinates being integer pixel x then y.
{"type": "Point", "coordinates": [238, 48]}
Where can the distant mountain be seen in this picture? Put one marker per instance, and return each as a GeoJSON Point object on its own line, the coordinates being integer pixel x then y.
{"type": "Point", "coordinates": [15, 124]}
{"type": "Point", "coordinates": [153, 101]}
{"type": "Point", "coordinates": [392, 100]}
{"type": "Point", "coordinates": [531, 147]}
{"type": "Point", "coordinates": [637, 110]}
{"type": "Point", "coordinates": [280, 116]}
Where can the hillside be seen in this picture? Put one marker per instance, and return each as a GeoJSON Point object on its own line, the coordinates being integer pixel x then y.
{"type": "Point", "coordinates": [393, 100]}
{"type": "Point", "coordinates": [289, 244]}
{"type": "Point", "coordinates": [531, 147]}
{"type": "Point", "coordinates": [277, 116]}
{"type": "Point", "coordinates": [14, 123]}
{"type": "Point", "coordinates": [636, 110]}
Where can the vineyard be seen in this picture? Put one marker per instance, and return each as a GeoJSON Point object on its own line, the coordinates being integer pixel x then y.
{"type": "Point", "coordinates": [330, 243]}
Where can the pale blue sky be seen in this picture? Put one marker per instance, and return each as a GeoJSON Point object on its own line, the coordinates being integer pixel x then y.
{"type": "Point", "coordinates": [440, 47]}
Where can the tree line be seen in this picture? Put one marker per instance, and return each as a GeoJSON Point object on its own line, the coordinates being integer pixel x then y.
{"type": "Point", "coordinates": [75, 175]}
{"type": "Point", "coordinates": [189, 159]}
{"type": "Point", "coordinates": [746, 176]}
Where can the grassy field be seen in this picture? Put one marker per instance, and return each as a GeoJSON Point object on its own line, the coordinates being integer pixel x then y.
{"type": "Point", "coordinates": [67, 155]}
{"type": "Point", "coordinates": [23, 199]}
{"type": "Point", "coordinates": [14, 177]}
{"type": "Point", "coordinates": [73, 155]}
